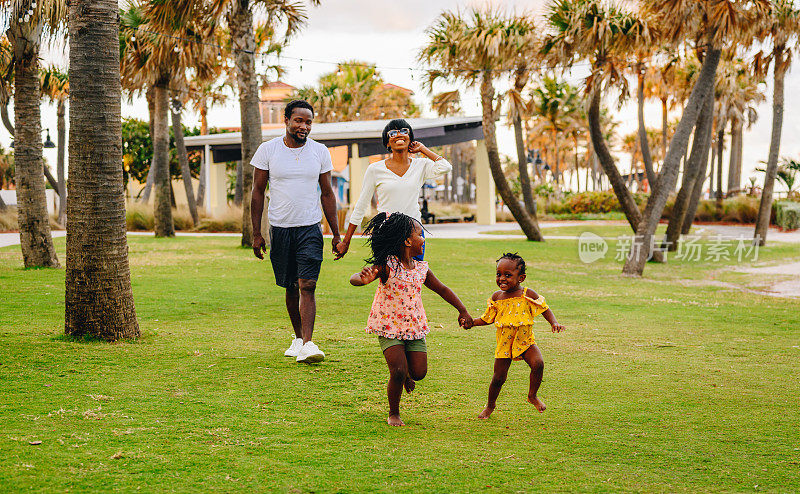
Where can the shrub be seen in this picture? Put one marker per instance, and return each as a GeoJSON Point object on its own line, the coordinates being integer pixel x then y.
{"type": "Point", "coordinates": [231, 221]}
{"type": "Point", "coordinates": [8, 219]}
{"type": "Point", "coordinates": [706, 211]}
{"type": "Point", "coordinates": [593, 202]}
{"type": "Point", "coordinates": [787, 215]}
{"type": "Point", "coordinates": [740, 209]}
{"type": "Point", "coordinates": [139, 217]}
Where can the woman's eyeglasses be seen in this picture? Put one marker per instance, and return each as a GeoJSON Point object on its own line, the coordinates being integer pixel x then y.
{"type": "Point", "coordinates": [397, 132]}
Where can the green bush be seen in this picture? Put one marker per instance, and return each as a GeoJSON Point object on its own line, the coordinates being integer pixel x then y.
{"type": "Point", "coordinates": [706, 212]}
{"type": "Point", "coordinates": [787, 215]}
{"type": "Point", "coordinates": [740, 209]}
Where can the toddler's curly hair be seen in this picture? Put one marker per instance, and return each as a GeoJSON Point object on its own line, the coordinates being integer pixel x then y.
{"type": "Point", "coordinates": [513, 256]}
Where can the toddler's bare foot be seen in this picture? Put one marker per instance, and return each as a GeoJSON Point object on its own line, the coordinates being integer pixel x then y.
{"type": "Point", "coordinates": [535, 401]}
{"type": "Point", "coordinates": [409, 385]}
{"type": "Point", "coordinates": [394, 420]}
{"type": "Point", "coordinates": [486, 412]}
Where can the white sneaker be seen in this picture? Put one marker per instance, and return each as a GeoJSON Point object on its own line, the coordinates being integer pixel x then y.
{"type": "Point", "coordinates": [294, 349]}
{"type": "Point", "coordinates": [310, 353]}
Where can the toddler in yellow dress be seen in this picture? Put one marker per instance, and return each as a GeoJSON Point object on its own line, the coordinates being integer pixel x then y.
{"type": "Point", "coordinates": [512, 309]}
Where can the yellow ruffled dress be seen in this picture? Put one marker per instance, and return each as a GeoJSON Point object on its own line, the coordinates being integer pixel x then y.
{"type": "Point", "coordinates": [514, 319]}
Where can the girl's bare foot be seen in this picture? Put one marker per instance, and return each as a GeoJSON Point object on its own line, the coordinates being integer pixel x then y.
{"type": "Point", "coordinates": [486, 412]}
{"type": "Point", "coordinates": [394, 420]}
{"type": "Point", "coordinates": [409, 385]}
{"type": "Point", "coordinates": [535, 401]}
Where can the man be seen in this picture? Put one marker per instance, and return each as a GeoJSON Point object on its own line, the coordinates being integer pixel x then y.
{"type": "Point", "coordinates": [294, 165]}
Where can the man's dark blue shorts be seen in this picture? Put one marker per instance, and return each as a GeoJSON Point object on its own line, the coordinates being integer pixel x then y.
{"type": "Point", "coordinates": [295, 252]}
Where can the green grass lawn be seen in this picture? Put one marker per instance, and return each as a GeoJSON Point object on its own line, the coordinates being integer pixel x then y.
{"type": "Point", "coordinates": [662, 384]}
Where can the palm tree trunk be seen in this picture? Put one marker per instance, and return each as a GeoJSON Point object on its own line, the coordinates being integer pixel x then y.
{"type": "Point", "coordinates": [36, 240]}
{"type": "Point", "coordinates": [765, 206]}
{"type": "Point", "coordinates": [644, 145]}
{"type": "Point", "coordinates": [237, 190]}
{"type": "Point", "coordinates": [62, 139]}
{"type": "Point", "coordinates": [6, 120]}
{"type": "Point", "coordinates": [667, 178]}
{"type": "Point", "coordinates": [720, 150]}
{"type": "Point", "coordinates": [201, 183]}
{"type": "Point", "coordinates": [204, 119]}
{"type": "Point", "coordinates": [629, 207]}
{"type": "Point", "coordinates": [99, 300]}
{"type": "Point", "coordinates": [162, 208]}
{"type": "Point", "coordinates": [698, 158]}
{"type": "Point", "coordinates": [151, 111]}
{"type": "Point", "coordinates": [577, 168]}
{"type": "Point", "coordinates": [528, 224]}
{"type": "Point", "coordinates": [664, 128]}
{"type": "Point", "coordinates": [183, 160]}
{"type": "Point", "coordinates": [524, 178]}
{"type": "Point", "coordinates": [148, 184]}
{"type": "Point", "coordinates": [240, 20]}
{"type": "Point", "coordinates": [697, 190]}
{"type": "Point", "coordinates": [10, 127]}
{"type": "Point", "coordinates": [734, 177]}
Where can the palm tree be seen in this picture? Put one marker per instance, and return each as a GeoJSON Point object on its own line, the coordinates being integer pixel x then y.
{"type": "Point", "coordinates": [176, 108]}
{"type": "Point", "coordinates": [98, 301]}
{"type": "Point", "coordinates": [557, 103]}
{"type": "Point", "coordinates": [356, 91]}
{"type": "Point", "coordinates": [781, 28]}
{"type": "Point", "coordinates": [518, 110]}
{"type": "Point", "coordinates": [713, 23]}
{"type": "Point", "coordinates": [742, 102]}
{"type": "Point", "coordinates": [475, 49]}
{"type": "Point", "coordinates": [55, 85]}
{"type": "Point", "coordinates": [605, 34]}
{"type": "Point", "coordinates": [6, 81]}
{"type": "Point", "coordinates": [697, 161]}
{"type": "Point", "coordinates": [157, 51]}
{"type": "Point", "coordinates": [28, 23]}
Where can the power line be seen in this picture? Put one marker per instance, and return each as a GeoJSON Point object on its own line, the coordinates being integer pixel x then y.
{"type": "Point", "coordinates": [301, 60]}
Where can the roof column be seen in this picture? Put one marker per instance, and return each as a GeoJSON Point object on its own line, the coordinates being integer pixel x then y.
{"type": "Point", "coordinates": [485, 190]}
{"type": "Point", "coordinates": [216, 185]}
{"type": "Point", "coordinates": [358, 167]}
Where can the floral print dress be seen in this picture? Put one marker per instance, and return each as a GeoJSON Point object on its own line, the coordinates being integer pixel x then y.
{"type": "Point", "coordinates": [397, 310]}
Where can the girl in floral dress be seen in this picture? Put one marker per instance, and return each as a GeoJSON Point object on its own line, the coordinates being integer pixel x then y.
{"type": "Point", "coordinates": [512, 309]}
{"type": "Point", "coordinates": [397, 316]}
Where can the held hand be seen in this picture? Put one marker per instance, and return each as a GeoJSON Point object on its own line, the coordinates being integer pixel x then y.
{"type": "Point", "coordinates": [335, 241]}
{"type": "Point", "coordinates": [339, 250]}
{"type": "Point", "coordinates": [416, 147]}
{"type": "Point", "coordinates": [259, 246]}
{"type": "Point", "coordinates": [557, 328]}
{"type": "Point", "coordinates": [465, 320]}
{"type": "Point", "coordinates": [368, 274]}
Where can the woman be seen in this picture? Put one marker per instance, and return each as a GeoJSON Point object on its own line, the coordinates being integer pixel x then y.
{"type": "Point", "coordinates": [397, 180]}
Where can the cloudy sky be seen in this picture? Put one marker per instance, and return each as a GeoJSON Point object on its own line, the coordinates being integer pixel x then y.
{"type": "Point", "coordinates": [390, 34]}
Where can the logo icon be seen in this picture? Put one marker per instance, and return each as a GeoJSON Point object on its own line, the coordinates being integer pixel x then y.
{"type": "Point", "coordinates": [591, 247]}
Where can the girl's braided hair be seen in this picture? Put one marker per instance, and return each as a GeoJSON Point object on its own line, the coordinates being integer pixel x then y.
{"type": "Point", "coordinates": [387, 236]}
{"type": "Point", "coordinates": [513, 256]}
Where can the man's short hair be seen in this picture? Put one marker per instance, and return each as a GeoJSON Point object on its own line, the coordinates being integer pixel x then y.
{"type": "Point", "coordinates": [298, 103]}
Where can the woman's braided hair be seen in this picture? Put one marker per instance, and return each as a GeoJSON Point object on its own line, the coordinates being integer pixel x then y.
{"type": "Point", "coordinates": [513, 256]}
{"type": "Point", "coordinates": [387, 236]}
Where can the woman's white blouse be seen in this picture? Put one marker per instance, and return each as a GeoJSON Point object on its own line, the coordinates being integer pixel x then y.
{"type": "Point", "coordinates": [396, 193]}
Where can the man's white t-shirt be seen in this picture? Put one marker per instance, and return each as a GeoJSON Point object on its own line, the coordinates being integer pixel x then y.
{"type": "Point", "coordinates": [293, 180]}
